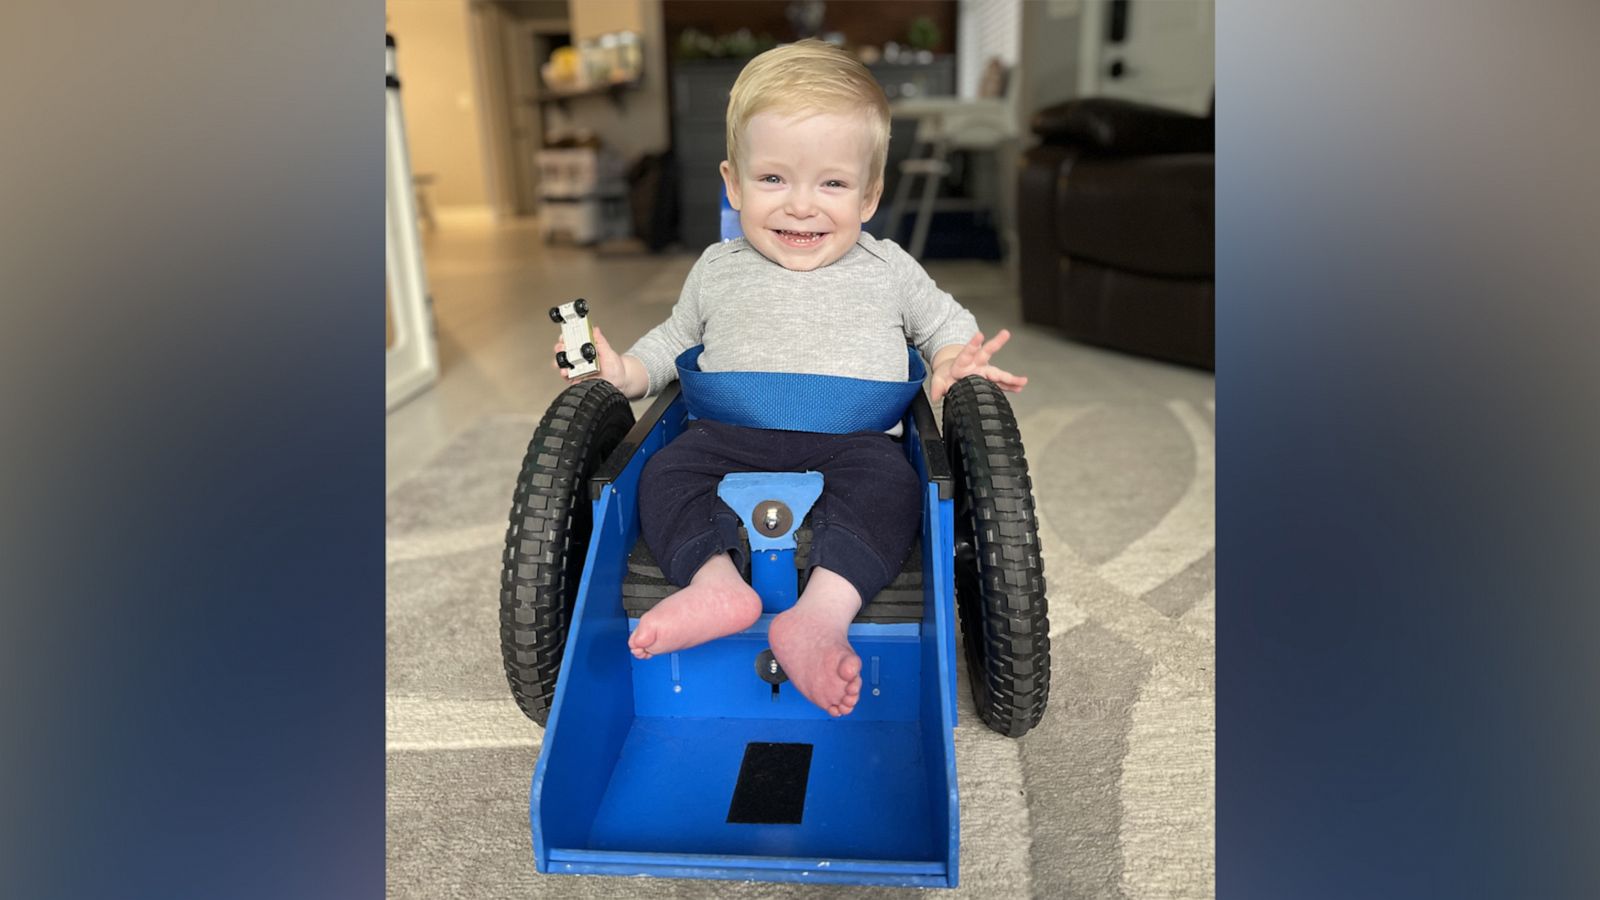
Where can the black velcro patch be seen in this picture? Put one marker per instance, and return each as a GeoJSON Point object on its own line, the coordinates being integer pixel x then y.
{"type": "Point", "coordinates": [772, 784]}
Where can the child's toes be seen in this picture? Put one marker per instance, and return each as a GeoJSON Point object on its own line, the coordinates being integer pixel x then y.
{"type": "Point", "coordinates": [641, 639]}
{"type": "Point", "coordinates": [849, 667]}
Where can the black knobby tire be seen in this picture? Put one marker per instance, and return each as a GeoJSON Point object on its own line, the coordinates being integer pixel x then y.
{"type": "Point", "coordinates": [998, 573]}
{"type": "Point", "coordinates": [548, 538]}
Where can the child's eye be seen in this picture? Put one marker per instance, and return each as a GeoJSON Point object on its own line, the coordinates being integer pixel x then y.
{"type": "Point", "coordinates": [835, 183]}
{"type": "Point", "coordinates": [771, 179]}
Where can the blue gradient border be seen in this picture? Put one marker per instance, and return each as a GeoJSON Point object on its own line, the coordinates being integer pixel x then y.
{"type": "Point", "coordinates": [192, 631]}
{"type": "Point", "coordinates": [1409, 300]}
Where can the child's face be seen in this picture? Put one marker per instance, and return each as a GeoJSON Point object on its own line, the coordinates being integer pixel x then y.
{"type": "Point", "coordinates": [801, 191]}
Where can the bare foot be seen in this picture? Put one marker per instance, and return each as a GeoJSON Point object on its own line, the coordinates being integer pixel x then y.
{"type": "Point", "coordinates": [716, 603]}
{"type": "Point", "coordinates": [811, 642]}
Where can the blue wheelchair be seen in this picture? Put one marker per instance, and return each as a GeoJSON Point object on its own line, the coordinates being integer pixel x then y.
{"type": "Point", "coordinates": [704, 763]}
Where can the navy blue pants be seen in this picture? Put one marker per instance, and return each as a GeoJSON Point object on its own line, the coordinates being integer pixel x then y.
{"type": "Point", "coordinates": [863, 526]}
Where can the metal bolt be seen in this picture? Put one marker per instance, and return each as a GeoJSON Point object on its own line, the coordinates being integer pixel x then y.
{"type": "Point", "coordinates": [677, 689]}
{"type": "Point", "coordinates": [772, 517]}
{"type": "Point", "coordinates": [874, 692]}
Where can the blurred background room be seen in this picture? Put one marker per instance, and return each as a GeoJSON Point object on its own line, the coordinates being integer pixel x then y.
{"type": "Point", "coordinates": [558, 149]}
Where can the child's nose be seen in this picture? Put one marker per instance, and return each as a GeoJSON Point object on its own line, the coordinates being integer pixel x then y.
{"type": "Point", "coordinates": [802, 203]}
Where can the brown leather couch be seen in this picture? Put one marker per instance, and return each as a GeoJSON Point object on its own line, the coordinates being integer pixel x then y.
{"type": "Point", "coordinates": [1116, 223]}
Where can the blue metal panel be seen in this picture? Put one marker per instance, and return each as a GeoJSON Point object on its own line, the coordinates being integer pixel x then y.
{"type": "Point", "coordinates": [772, 571]}
{"type": "Point", "coordinates": [773, 575]}
{"type": "Point", "coordinates": [938, 576]}
{"type": "Point", "coordinates": [938, 550]}
{"type": "Point", "coordinates": [589, 723]}
{"type": "Point", "coordinates": [719, 679]}
{"type": "Point", "coordinates": [726, 869]}
{"type": "Point", "coordinates": [866, 798]}
{"type": "Point", "coordinates": [938, 662]}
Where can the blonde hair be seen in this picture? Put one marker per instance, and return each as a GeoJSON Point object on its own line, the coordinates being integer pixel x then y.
{"type": "Point", "coordinates": [806, 78]}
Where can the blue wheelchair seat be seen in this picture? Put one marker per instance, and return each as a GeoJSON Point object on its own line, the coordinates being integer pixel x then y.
{"type": "Point", "coordinates": [702, 763]}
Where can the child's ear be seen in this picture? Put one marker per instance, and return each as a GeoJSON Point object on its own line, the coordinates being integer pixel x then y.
{"type": "Point", "coordinates": [870, 205]}
{"type": "Point", "coordinates": [730, 180]}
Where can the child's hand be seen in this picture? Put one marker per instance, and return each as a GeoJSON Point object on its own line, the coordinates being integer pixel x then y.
{"type": "Point", "coordinates": [609, 361]}
{"type": "Point", "coordinates": [973, 359]}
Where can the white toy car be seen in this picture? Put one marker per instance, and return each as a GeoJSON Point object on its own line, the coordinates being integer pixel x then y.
{"type": "Point", "coordinates": [574, 321]}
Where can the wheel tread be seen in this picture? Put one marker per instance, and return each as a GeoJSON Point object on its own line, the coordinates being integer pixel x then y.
{"type": "Point", "coordinates": [548, 533]}
{"type": "Point", "coordinates": [1002, 606]}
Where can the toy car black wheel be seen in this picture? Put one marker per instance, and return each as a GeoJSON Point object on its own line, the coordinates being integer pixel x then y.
{"type": "Point", "coordinates": [555, 315]}
{"type": "Point", "coordinates": [589, 353]}
{"type": "Point", "coordinates": [561, 359]}
{"type": "Point", "coordinates": [548, 538]}
{"type": "Point", "coordinates": [581, 306]}
{"type": "Point", "coordinates": [999, 577]}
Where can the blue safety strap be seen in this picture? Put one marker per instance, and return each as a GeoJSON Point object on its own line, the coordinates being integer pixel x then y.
{"type": "Point", "coordinates": [786, 401]}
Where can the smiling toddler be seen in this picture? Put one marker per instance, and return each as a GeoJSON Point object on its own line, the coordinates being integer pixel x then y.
{"type": "Point", "coordinates": [804, 291]}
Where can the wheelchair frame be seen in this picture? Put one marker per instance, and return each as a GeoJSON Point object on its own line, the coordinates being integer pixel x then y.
{"type": "Point", "coordinates": [693, 765]}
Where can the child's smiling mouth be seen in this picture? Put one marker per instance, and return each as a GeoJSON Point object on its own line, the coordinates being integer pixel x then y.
{"type": "Point", "coordinates": [800, 238]}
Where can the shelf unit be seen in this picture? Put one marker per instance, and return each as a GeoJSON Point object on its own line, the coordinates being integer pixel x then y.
{"type": "Point", "coordinates": [615, 90]}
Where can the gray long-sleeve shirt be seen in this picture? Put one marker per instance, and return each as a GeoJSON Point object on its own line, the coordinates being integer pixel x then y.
{"type": "Point", "coordinates": [851, 317]}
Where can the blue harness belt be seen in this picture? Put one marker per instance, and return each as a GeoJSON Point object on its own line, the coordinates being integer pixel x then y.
{"type": "Point", "coordinates": [785, 401]}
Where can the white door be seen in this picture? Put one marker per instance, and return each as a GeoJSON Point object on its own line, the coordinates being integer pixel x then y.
{"type": "Point", "coordinates": [1159, 52]}
{"type": "Point", "coordinates": [411, 363]}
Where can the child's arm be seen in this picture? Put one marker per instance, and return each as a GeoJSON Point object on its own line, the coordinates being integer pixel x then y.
{"type": "Point", "coordinates": [956, 361]}
{"type": "Point", "coordinates": [937, 324]}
